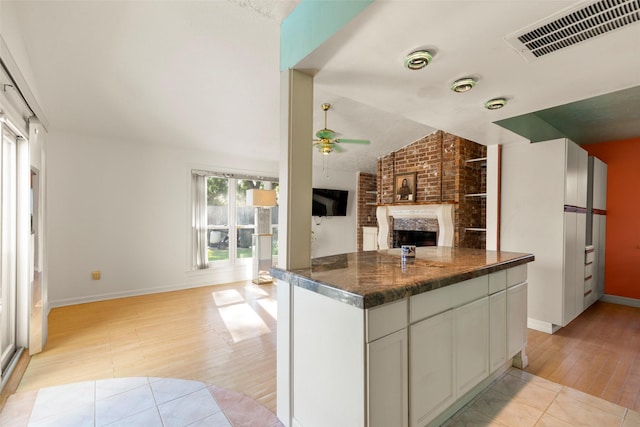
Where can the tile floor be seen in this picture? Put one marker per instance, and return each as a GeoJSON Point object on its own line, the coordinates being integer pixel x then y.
{"type": "Point", "coordinates": [517, 399]}
{"type": "Point", "coordinates": [137, 401]}
{"type": "Point", "coordinates": [520, 399]}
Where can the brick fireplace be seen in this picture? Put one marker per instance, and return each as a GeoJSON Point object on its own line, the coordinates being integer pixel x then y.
{"type": "Point", "coordinates": [423, 217]}
{"type": "Point", "coordinates": [449, 173]}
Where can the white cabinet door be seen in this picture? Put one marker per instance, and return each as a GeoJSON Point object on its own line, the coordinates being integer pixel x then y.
{"type": "Point", "coordinates": [471, 344]}
{"type": "Point", "coordinates": [516, 321]}
{"type": "Point", "coordinates": [599, 184]}
{"type": "Point", "coordinates": [581, 239]}
{"type": "Point", "coordinates": [497, 330]}
{"type": "Point", "coordinates": [601, 256]}
{"type": "Point", "coordinates": [571, 174]}
{"type": "Point", "coordinates": [576, 175]}
{"type": "Point", "coordinates": [388, 401]}
{"type": "Point", "coordinates": [570, 287]}
{"type": "Point", "coordinates": [369, 238]}
{"type": "Point", "coordinates": [431, 387]}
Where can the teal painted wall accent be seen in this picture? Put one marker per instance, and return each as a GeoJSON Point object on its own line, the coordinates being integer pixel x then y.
{"type": "Point", "coordinates": [608, 117]}
{"type": "Point", "coordinates": [311, 23]}
{"type": "Point", "coordinates": [531, 127]}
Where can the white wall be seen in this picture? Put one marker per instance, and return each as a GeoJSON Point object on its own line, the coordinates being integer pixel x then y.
{"type": "Point", "coordinates": [124, 209]}
{"type": "Point", "coordinates": [335, 235]}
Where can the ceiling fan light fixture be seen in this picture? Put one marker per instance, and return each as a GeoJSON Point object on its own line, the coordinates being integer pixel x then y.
{"type": "Point", "coordinates": [463, 85]}
{"type": "Point", "coordinates": [418, 60]}
{"type": "Point", "coordinates": [325, 149]}
{"type": "Point", "coordinates": [495, 103]}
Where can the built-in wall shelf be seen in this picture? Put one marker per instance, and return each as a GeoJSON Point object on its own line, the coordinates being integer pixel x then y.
{"type": "Point", "coordinates": [370, 202]}
{"type": "Point", "coordinates": [475, 229]}
{"type": "Point", "coordinates": [481, 160]}
{"type": "Point", "coordinates": [476, 195]}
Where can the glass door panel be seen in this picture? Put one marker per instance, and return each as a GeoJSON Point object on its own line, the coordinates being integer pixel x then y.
{"type": "Point", "coordinates": [8, 227]}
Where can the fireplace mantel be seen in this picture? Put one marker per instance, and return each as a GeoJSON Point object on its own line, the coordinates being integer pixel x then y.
{"type": "Point", "coordinates": [442, 212]}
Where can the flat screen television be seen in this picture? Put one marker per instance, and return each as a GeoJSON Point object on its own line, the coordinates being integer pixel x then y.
{"type": "Point", "coordinates": [329, 202]}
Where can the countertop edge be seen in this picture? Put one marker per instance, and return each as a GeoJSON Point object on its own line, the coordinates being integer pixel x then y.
{"type": "Point", "coordinates": [375, 299]}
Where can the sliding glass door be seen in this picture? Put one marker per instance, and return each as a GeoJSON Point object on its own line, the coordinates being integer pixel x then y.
{"type": "Point", "coordinates": [8, 241]}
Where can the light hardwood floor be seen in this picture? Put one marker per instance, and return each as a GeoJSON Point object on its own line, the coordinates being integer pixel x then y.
{"type": "Point", "coordinates": [226, 335]}
{"type": "Point", "coordinates": [223, 335]}
{"type": "Point", "coordinates": [598, 353]}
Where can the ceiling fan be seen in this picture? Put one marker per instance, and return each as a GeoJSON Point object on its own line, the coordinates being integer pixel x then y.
{"type": "Point", "coordinates": [326, 142]}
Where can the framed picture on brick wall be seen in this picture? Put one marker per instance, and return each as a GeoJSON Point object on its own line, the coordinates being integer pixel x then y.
{"type": "Point", "coordinates": [404, 188]}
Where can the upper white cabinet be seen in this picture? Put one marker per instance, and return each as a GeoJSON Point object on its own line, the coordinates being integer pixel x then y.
{"type": "Point", "coordinates": [599, 184]}
{"type": "Point", "coordinates": [575, 174]}
{"type": "Point", "coordinates": [543, 211]}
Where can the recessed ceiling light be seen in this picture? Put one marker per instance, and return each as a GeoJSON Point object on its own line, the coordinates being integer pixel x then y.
{"type": "Point", "coordinates": [495, 104]}
{"type": "Point", "coordinates": [418, 60]}
{"type": "Point", "coordinates": [463, 85]}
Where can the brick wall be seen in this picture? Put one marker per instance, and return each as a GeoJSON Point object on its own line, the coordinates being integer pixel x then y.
{"type": "Point", "coordinates": [367, 199]}
{"type": "Point", "coordinates": [443, 175]}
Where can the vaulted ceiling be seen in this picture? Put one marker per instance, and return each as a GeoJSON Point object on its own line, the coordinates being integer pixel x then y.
{"type": "Point", "coordinates": [205, 75]}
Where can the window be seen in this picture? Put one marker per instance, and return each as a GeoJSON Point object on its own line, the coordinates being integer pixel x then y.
{"type": "Point", "coordinates": [226, 234]}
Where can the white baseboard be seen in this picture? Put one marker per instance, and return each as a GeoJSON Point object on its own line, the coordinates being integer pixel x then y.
{"type": "Point", "coordinates": [539, 325]}
{"type": "Point", "coordinates": [198, 279]}
{"type": "Point", "coordinates": [631, 302]}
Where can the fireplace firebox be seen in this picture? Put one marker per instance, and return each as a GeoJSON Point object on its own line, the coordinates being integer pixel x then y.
{"type": "Point", "coordinates": [414, 237]}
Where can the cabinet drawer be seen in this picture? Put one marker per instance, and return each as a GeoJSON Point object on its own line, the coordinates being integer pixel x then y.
{"type": "Point", "coordinates": [386, 319]}
{"type": "Point", "coordinates": [497, 281]}
{"type": "Point", "coordinates": [588, 270]}
{"type": "Point", "coordinates": [433, 302]}
{"type": "Point", "coordinates": [588, 285]}
{"type": "Point", "coordinates": [516, 275]}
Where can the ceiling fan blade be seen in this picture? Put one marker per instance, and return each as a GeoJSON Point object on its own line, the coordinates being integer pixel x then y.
{"type": "Point", "coordinates": [353, 141]}
{"type": "Point", "coordinates": [338, 149]}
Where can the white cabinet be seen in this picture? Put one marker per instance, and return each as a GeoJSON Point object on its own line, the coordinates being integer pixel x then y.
{"type": "Point", "coordinates": [387, 366]}
{"type": "Point", "coordinates": [516, 322]}
{"type": "Point", "coordinates": [369, 238]}
{"type": "Point", "coordinates": [596, 227]}
{"type": "Point", "coordinates": [471, 344]}
{"type": "Point", "coordinates": [599, 240]}
{"type": "Point", "coordinates": [574, 241]}
{"type": "Point", "coordinates": [599, 184]}
{"type": "Point", "coordinates": [431, 380]}
{"type": "Point", "coordinates": [498, 330]}
{"type": "Point", "coordinates": [413, 361]}
{"type": "Point", "coordinates": [576, 174]}
{"type": "Point", "coordinates": [543, 211]}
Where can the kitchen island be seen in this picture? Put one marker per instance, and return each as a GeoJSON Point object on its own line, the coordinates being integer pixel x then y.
{"type": "Point", "coordinates": [375, 339]}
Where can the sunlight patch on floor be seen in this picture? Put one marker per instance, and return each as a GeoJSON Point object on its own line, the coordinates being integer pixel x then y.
{"type": "Point", "coordinates": [257, 291]}
{"type": "Point", "coordinates": [271, 306]}
{"type": "Point", "coordinates": [242, 322]}
{"type": "Point", "coordinates": [226, 297]}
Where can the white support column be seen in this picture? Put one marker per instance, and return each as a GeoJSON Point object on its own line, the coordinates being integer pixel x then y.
{"type": "Point", "coordinates": [493, 196]}
{"type": "Point", "coordinates": [296, 130]}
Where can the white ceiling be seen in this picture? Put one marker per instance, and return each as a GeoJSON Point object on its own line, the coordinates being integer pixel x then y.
{"type": "Point", "coordinates": [204, 75]}
{"type": "Point", "coordinates": [196, 74]}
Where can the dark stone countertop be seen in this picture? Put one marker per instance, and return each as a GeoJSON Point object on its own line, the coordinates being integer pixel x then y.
{"type": "Point", "coordinates": [372, 278]}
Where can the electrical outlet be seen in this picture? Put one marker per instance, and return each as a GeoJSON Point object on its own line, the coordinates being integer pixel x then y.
{"type": "Point", "coordinates": [95, 275]}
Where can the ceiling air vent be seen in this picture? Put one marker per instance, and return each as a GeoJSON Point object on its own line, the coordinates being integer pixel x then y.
{"type": "Point", "coordinates": [574, 26]}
